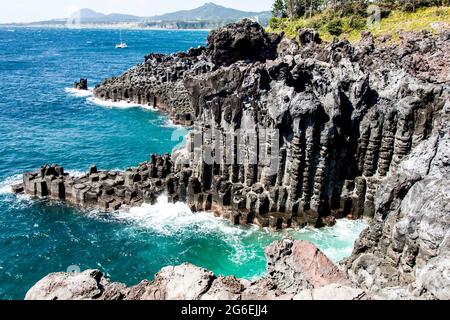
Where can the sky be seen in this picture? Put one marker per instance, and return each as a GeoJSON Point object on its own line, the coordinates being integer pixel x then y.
{"type": "Point", "coordinates": [32, 10]}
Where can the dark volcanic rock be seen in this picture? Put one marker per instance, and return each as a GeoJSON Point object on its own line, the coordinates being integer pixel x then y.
{"type": "Point", "coordinates": [308, 36]}
{"type": "Point", "coordinates": [81, 85]}
{"type": "Point", "coordinates": [245, 40]}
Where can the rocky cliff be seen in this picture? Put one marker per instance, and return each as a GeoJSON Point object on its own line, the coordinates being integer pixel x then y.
{"type": "Point", "coordinates": [285, 136]}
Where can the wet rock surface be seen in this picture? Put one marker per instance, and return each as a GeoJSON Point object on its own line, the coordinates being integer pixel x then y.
{"type": "Point", "coordinates": [81, 85]}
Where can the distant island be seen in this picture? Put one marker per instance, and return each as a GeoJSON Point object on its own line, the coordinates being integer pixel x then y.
{"type": "Point", "coordinates": [208, 16]}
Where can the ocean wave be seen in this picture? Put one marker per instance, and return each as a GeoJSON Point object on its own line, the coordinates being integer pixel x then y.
{"type": "Point", "coordinates": [171, 219]}
{"type": "Point", "coordinates": [119, 104]}
{"type": "Point", "coordinates": [5, 185]}
{"type": "Point", "coordinates": [78, 93]}
{"type": "Point", "coordinates": [177, 220]}
{"type": "Point", "coordinates": [19, 201]}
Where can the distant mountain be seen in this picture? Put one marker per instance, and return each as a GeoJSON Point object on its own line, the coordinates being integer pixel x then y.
{"type": "Point", "coordinates": [207, 16]}
{"type": "Point", "coordinates": [88, 16]}
{"type": "Point", "coordinates": [209, 12]}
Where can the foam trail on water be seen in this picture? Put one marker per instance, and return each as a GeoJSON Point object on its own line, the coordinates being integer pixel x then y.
{"type": "Point", "coordinates": [78, 93]}
{"type": "Point", "coordinates": [119, 104]}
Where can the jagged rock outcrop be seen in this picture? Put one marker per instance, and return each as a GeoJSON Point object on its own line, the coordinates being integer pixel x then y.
{"type": "Point", "coordinates": [287, 136]}
{"type": "Point", "coordinates": [104, 190]}
{"type": "Point", "coordinates": [188, 282]}
{"type": "Point", "coordinates": [308, 36]}
{"type": "Point", "coordinates": [81, 85]}
{"type": "Point", "coordinates": [245, 40]}
{"type": "Point", "coordinates": [158, 82]}
{"type": "Point", "coordinates": [408, 243]}
{"type": "Point", "coordinates": [88, 285]}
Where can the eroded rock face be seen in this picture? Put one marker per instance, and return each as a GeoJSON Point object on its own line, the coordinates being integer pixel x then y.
{"type": "Point", "coordinates": [299, 135]}
{"type": "Point", "coordinates": [245, 40]}
{"type": "Point", "coordinates": [188, 282]}
{"type": "Point", "coordinates": [299, 265]}
{"type": "Point", "coordinates": [88, 285]}
{"type": "Point", "coordinates": [407, 244]}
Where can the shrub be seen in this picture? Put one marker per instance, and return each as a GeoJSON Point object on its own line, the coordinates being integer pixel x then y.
{"type": "Point", "coordinates": [293, 27]}
{"type": "Point", "coordinates": [334, 27]}
{"type": "Point", "coordinates": [315, 23]}
{"type": "Point", "coordinates": [357, 23]}
{"type": "Point", "coordinates": [274, 23]}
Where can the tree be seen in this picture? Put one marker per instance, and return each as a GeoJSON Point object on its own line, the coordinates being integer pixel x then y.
{"type": "Point", "coordinates": [279, 9]}
{"type": "Point", "coordinates": [300, 8]}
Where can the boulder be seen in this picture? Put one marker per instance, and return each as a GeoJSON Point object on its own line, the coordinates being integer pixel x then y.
{"type": "Point", "coordinates": [88, 285]}
{"type": "Point", "coordinates": [308, 36]}
{"type": "Point", "coordinates": [298, 265]}
{"type": "Point", "coordinates": [245, 40]}
{"type": "Point", "coordinates": [81, 85]}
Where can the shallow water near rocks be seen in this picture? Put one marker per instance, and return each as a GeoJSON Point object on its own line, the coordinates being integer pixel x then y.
{"type": "Point", "coordinates": [42, 121]}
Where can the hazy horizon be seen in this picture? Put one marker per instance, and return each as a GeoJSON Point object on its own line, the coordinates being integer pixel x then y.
{"type": "Point", "coordinates": [23, 11]}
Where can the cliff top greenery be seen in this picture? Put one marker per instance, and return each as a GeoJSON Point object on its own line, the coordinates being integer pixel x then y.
{"type": "Point", "coordinates": [348, 18]}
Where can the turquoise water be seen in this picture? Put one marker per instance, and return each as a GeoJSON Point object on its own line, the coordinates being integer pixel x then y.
{"type": "Point", "coordinates": [42, 121]}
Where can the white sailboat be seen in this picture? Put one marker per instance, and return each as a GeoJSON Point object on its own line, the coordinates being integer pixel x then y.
{"type": "Point", "coordinates": [122, 44]}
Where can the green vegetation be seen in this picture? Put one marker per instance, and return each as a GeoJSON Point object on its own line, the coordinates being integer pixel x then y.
{"type": "Point", "coordinates": [348, 18]}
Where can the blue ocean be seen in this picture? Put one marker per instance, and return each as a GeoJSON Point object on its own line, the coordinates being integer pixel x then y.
{"type": "Point", "coordinates": [42, 120]}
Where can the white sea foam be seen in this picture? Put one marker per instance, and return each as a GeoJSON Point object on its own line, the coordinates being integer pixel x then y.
{"type": "Point", "coordinates": [172, 218]}
{"type": "Point", "coordinates": [78, 93]}
{"type": "Point", "coordinates": [119, 104]}
{"type": "Point", "coordinates": [75, 173]}
{"type": "Point", "coordinates": [170, 124]}
{"type": "Point", "coordinates": [5, 185]}
{"type": "Point", "coordinates": [177, 220]}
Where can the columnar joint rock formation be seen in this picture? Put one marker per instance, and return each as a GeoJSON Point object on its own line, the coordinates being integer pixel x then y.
{"type": "Point", "coordinates": [290, 136]}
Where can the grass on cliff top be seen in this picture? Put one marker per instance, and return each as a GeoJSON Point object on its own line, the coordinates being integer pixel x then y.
{"type": "Point", "coordinates": [432, 18]}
